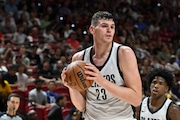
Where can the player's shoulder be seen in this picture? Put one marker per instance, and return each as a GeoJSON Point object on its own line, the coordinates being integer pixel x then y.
{"type": "Point", "coordinates": [125, 48]}
{"type": "Point", "coordinates": [125, 51]}
{"type": "Point", "coordinates": [78, 55]}
{"type": "Point", "coordinates": [174, 108]}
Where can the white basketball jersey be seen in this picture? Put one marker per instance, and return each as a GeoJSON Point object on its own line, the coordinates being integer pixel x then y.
{"type": "Point", "coordinates": [160, 114]}
{"type": "Point", "coordinates": [100, 104]}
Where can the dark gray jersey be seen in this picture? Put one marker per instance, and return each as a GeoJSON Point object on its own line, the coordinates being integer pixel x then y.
{"type": "Point", "coordinates": [100, 104]}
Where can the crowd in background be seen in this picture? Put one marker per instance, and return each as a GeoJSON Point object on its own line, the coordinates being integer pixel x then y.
{"type": "Point", "coordinates": [46, 33]}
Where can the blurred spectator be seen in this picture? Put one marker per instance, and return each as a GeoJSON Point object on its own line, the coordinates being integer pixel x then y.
{"type": "Point", "coordinates": [141, 51]}
{"type": "Point", "coordinates": [56, 112]}
{"type": "Point", "coordinates": [37, 96]}
{"type": "Point", "coordinates": [172, 65]}
{"type": "Point", "coordinates": [32, 115]}
{"type": "Point", "coordinates": [72, 41]}
{"type": "Point", "coordinates": [45, 55]}
{"type": "Point", "coordinates": [34, 20]}
{"type": "Point", "coordinates": [155, 63]}
{"type": "Point", "coordinates": [33, 56]}
{"type": "Point", "coordinates": [164, 54]}
{"type": "Point", "coordinates": [8, 29]}
{"type": "Point", "coordinates": [176, 89]}
{"type": "Point", "coordinates": [34, 33]}
{"type": "Point", "coordinates": [45, 21]}
{"type": "Point", "coordinates": [41, 47]}
{"type": "Point", "coordinates": [11, 76]}
{"type": "Point", "coordinates": [123, 36]}
{"type": "Point", "coordinates": [1, 14]}
{"type": "Point", "coordinates": [64, 61]}
{"type": "Point", "coordinates": [67, 30]}
{"type": "Point", "coordinates": [22, 78]}
{"type": "Point", "coordinates": [19, 37]}
{"type": "Point", "coordinates": [11, 7]}
{"type": "Point", "coordinates": [154, 27]}
{"type": "Point", "coordinates": [23, 55]}
{"type": "Point", "coordinates": [9, 17]}
{"type": "Point", "coordinates": [57, 25]}
{"type": "Point", "coordinates": [48, 35]}
{"type": "Point", "coordinates": [86, 41]}
{"type": "Point", "coordinates": [5, 90]}
{"type": "Point", "coordinates": [58, 37]}
{"type": "Point", "coordinates": [23, 11]}
{"type": "Point", "coordinates": [17, 59]}
{"type": "Point", "coordinates": [51, 95]}
{"type": "Point", "coordinates": [45, 73]}
{"type": "Point", "coordinates": [7, 53]}
{"type": "Point", "coordinates": [141, 25]}
{"type": "Point", "coordinates": [145, 67]}
{"type": "Point", "coordinates": [57, 55]}
{"type": "Point", "coordinates": [57, 69]}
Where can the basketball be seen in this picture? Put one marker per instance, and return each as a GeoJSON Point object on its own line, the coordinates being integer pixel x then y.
{"type": "Point", "coordinates": [75, 76]}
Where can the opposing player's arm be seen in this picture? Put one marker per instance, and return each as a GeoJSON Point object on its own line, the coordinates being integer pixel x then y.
{"type": "Point", "coordinates": [174, 112]}
{"type": "Point", "coordinates": [78, 98]}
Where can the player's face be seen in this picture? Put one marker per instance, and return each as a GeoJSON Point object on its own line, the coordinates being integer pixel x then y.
{"type": "Point", "coordinates": [13, 103]}
{"type": "Point", "coordinates": [104, 30]}
{"type": "Point", "coordinates": [158, 87]}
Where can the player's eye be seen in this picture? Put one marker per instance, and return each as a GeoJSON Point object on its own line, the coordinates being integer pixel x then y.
{"type": "Point", "coordinates": [112, 27]}
{"type": "Point", "coordinates": [104, 26]}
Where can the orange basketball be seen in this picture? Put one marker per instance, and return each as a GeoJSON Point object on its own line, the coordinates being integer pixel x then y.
{"type": "Point", "coordinates": [75, 76]}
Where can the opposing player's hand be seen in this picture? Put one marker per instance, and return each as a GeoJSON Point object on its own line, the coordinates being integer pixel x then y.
{"type": "Point", "coordinates": [93, 73]}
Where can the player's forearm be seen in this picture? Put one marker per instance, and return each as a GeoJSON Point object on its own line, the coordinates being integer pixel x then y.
{"type": "Point", "coordinates": [124, 93]}
{"type": "Point", "coordinates": [77, 99]}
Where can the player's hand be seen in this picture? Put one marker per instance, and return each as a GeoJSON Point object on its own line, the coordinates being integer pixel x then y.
{"type": "Point", "coordinates": [93, 73]}
{"type": "Point", "coordinates": [63, 76]}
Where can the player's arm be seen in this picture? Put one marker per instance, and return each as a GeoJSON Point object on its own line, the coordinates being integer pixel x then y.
{"type": "Point", "coordinates": [128, 65]}
{"type": "Point", "coordinates": [174, 112]}
{"type": "Point", "coordinates": [77, 98]}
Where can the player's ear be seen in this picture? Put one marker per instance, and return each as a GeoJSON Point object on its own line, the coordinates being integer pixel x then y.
{"type": "Point", "coordinates": [91, 29]}
{"type": "Point", "coordinates": [167, 88]}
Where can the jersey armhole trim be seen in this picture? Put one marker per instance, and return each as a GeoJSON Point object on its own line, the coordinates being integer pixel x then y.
{"type": "Point", "coordinates": [168, 110]}
{"type": "Point", "coordinates": [119, 69]}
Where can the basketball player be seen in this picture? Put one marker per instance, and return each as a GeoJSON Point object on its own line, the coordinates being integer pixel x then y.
{"type": "Point", "coordinates": [158, 106]}
{"type": "Point", "coordinates": [113, 67]}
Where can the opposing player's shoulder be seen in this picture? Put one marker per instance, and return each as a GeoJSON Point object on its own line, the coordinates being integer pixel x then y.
{"type": "Point", "coordinates": [174, 111]}
{"type": "Point", "coordinates": [78, 56]}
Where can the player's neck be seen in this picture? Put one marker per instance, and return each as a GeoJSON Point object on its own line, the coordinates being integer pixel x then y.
{"type": "Point", "coordinates": [101, 51]}
{"type": "Point", "coordinates": [157, 101]}
{"type": "Point", "coordinates": [10, 112]}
